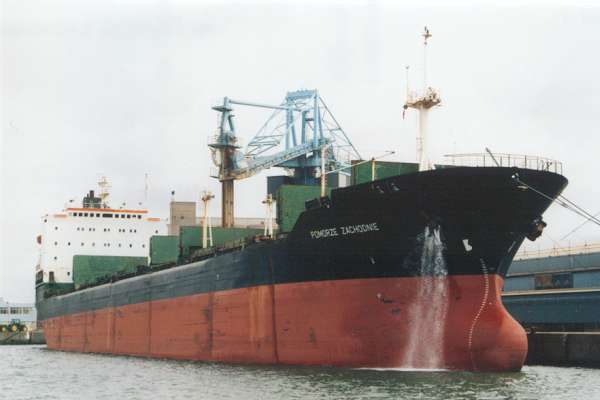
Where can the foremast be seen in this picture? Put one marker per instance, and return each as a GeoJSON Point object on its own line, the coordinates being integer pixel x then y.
{"type": "Point", "coordinates": [422, 102]}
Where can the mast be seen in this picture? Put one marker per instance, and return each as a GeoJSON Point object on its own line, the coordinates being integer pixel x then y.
{"type": "Point", "coordinates": [104, 187]}
{"type": "Point", "coordinates": [422, 102]}
{"type": "Point", "coordinates": [206, 226]}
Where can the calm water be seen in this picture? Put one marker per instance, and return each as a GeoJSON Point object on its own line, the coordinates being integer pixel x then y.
{"type": "Point", "coordinates": [33, 372]}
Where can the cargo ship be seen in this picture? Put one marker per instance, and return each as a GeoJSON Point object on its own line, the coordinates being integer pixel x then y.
{"type": "Point", "coordinates": [403, 268]}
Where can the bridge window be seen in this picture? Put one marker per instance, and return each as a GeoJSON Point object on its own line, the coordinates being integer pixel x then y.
{"type": "Point", "coordinates": [27, 310]}
{"type": "Point", "coordinates": [3, 310]}
{"type": "Point", "coordinates": [15, 310]}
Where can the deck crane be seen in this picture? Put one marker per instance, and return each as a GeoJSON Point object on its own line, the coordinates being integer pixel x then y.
{"type": "Point", "coordinates": [293, 137]}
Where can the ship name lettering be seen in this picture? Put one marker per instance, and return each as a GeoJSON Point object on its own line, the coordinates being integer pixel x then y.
{"type": "Point", "coordinates": [323, 233]}
{"type": "Point", "coordinates": [361, 228]}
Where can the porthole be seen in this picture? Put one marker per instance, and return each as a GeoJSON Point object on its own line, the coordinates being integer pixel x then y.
{"type": "Point", "coordinates": [56, 228]}
{"type": "Point", "coordinates": [56, 243]}
{"type": "Point", "coordinates": [55, 258]}
{"type": "Point", "coordinates": [130, 245]}
{"type": "Point", "coordinates": [143, 246]}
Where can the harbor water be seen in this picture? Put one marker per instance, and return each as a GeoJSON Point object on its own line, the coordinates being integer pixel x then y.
{"type": "Point", "coordinates": [34, 372]}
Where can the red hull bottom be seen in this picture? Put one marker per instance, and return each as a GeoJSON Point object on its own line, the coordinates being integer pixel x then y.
{"type": "Point", "coordinates": [455, 322]}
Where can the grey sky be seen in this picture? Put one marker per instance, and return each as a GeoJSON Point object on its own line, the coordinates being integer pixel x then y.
{"type": "Point", "coordinates": [125, 88]}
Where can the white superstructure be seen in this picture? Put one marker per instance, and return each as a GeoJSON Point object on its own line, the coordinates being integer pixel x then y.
{"type": "Point", "coordinates": [24, 312]}
{"type": "Point", "coordinates": [93, 229]}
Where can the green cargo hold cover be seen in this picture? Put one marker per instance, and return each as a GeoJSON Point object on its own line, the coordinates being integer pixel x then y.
{"type": "Point", "coordinates": [291, 201]}
{"type": "Point", "coordinates": [164, 249]}
{"type": "Point", "coordinates": [383, 169]}
{"type": "Point", "coordinates": [191, 236]}
{"type": "Point", "coordinates": [87, 269]}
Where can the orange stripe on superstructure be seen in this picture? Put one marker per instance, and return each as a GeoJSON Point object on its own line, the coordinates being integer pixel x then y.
{"type": "Point", "coordinates": [60, 215]}
{"type": "Point", "coordinates": [153, 219]}
{"type": "Point", "coordinates": [108, 210]}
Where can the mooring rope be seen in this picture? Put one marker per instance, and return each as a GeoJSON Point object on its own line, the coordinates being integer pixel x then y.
{"type": "Point", "coordinates": [561, 200]}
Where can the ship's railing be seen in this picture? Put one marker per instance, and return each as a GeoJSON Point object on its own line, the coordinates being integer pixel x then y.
{"type": "Point", "coordinates": [558, 251]}
{"type": "Point", "coordinates": [505, 160]}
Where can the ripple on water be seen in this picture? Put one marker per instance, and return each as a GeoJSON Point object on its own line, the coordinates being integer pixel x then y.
{"type": "Point", "coordinates": [33, 372]}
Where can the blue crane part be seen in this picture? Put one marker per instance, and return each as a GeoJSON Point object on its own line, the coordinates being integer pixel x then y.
{"type": "Point", "coordinates": [300, 131]}
{"type": "Point", "coordinates": [291, 138]}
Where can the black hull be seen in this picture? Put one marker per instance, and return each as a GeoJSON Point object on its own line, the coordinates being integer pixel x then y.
{"type": "Point", "coordinates": [373, 230]}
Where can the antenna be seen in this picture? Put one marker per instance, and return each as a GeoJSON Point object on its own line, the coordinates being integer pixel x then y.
{"type": "Point", "coordinates": [422, 103]}
{"type": "Point", "coordinates": [426, 35]}
{"type": "Point", "coordinates": [146, 189]}
{"type": "Point", "coordinates": [407, 67]}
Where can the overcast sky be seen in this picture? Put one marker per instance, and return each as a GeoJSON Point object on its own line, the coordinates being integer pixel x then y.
{"type": "Point", "coordinates": [125, 88]}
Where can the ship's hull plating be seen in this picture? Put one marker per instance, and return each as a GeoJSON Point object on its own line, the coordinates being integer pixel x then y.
{"type": "Point", "coordinates": [350, 323]}
{"type": "Point", "coordinates": [404, 272]}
